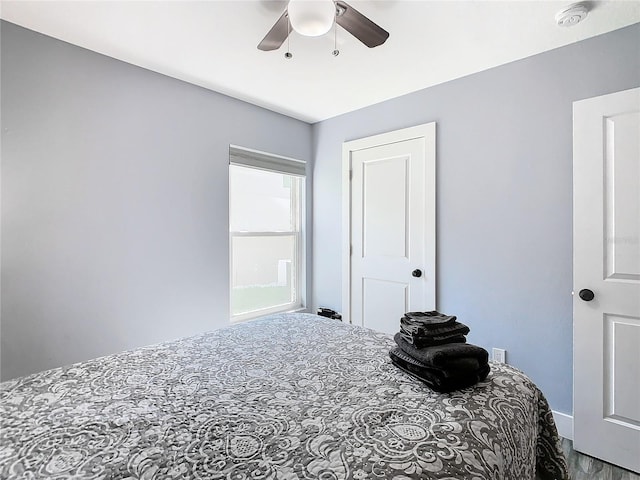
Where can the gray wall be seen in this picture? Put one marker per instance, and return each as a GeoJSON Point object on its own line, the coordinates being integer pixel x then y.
{"type": "Point", "coordinates": [504, 196]}
{"type": "Point", "coordinates": [114, 201]}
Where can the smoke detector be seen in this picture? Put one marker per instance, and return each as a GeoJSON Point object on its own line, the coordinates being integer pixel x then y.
{"type": "Point", "coordinates": [572, 15]}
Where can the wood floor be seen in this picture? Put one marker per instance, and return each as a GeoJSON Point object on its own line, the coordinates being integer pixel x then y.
{"type": "Point", "coordinates": [583, 467]}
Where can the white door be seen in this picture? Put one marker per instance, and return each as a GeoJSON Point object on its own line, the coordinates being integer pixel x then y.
{"type": "Point", "coordinates": [606, 329]}
{"type": "Point", "coordinates": [391, 228]}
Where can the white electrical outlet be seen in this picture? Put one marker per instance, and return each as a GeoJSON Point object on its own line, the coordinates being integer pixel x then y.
{"type": "Point", "coordinates": [499, 355]}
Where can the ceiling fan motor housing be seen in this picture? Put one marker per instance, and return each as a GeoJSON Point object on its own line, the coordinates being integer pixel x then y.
{"type": "Point", "coordinates": [313, 13]}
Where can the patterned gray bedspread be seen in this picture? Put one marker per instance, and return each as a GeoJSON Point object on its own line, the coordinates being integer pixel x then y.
{"type": "Point", "coordinates": [291, 396]}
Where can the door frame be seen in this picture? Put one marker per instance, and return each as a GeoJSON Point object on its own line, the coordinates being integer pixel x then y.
{"type": "Point", "coordinates": [427, 131]}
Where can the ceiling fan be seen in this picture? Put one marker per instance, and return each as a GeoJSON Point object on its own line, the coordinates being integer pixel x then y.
{"type": "Point", "coordinates": [316, 17]}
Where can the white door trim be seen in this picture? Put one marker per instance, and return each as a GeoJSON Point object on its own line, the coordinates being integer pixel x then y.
{"type": "Point", "coordinates": [426, 131]}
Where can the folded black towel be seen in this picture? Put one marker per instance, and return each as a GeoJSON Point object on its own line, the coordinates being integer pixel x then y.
{"type": "Point", "coordinates": [451, 329]}
{"type": "Point", "coordinates": [421, 342]}
{"type": "Point", "coordinates": [441, 355]}
{"type": "Point", "coordinates": [429, 319]}
{"type": "Point", "coordinates": [438, 379]}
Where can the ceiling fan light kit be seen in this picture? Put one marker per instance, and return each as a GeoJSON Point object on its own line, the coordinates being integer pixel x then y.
{"type": "Point", "coordinates": [311, 18]}
{"type": "Point", "coordinates": [315, 18]}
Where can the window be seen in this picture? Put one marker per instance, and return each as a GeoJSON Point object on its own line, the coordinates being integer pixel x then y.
{"type": "Point", "coordinates": [265, 225]}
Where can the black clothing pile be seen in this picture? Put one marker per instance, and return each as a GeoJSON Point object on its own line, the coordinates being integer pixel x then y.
{"type": "Point", "coordinates": [432, 347]}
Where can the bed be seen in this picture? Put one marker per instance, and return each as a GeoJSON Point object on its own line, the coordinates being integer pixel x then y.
{"type": "Point", "coordinates": [290, 396]}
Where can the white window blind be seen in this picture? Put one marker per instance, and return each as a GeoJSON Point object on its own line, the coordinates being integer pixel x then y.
{"type": "Point", "coordinates": [264, 161]}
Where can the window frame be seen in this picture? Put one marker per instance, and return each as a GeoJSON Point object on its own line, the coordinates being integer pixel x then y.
{"type": "Point", "coordinates": [298, 209]}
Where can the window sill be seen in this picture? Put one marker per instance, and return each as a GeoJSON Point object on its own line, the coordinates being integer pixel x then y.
{"type": "Point", "coordinates": [245, 317]}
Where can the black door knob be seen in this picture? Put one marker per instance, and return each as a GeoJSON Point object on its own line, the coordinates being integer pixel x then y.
{"type": "Point", "coordinates": [417, 272]}
{"type": "Point", "coordinates": [586, 295]}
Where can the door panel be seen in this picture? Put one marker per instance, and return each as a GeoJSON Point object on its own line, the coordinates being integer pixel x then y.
{"type": "Point", "coordinates": [384, 206]}
{"type": "Point", "coordinates": [621, 370]}
{"type": "Point", "coordinates": [382, 300]}
{"type": "Point", "coordinates": [622, 196]}
{"type": "Point", "coordinates": [607, 261]}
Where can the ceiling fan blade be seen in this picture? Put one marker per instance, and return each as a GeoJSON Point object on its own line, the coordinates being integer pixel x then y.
{"type": "Point", "coordinates": [277, 35]}
{"type": "Point", "coordinates": [360, 26]}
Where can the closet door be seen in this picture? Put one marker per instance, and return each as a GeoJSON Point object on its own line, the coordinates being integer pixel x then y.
{"type": "Point", "coordinates": [392, 228]}
{"type": "Point", "coordinates": [606, 303]}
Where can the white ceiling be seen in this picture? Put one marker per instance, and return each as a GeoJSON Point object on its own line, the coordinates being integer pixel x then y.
{"type": "Point", "coordinates": [213, 44]}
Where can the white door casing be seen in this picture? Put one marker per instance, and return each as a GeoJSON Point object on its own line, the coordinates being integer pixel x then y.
{"type": "Point", "coordinates": [606, 329]}
{"type": "Point", "coordinates": [388, 226]}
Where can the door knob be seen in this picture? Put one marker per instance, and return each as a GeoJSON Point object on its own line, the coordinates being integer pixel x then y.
{"type": "Point", "coordinates": [417, 273]}
{"type": "Point", "coordinates": [586, 295]}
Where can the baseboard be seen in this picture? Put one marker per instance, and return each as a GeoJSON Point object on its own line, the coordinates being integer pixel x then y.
{"type": "Point", "coordinates": [564, 424]}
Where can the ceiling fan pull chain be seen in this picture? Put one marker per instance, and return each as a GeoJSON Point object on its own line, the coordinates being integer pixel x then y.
{"type": "Point", "coordinates": [288, 54]}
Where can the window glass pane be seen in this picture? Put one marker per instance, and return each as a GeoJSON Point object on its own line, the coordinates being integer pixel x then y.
{"type": "Point", "coordinates": [261, 201]}
{"type": "Point", "coordinates": [264, 269]}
